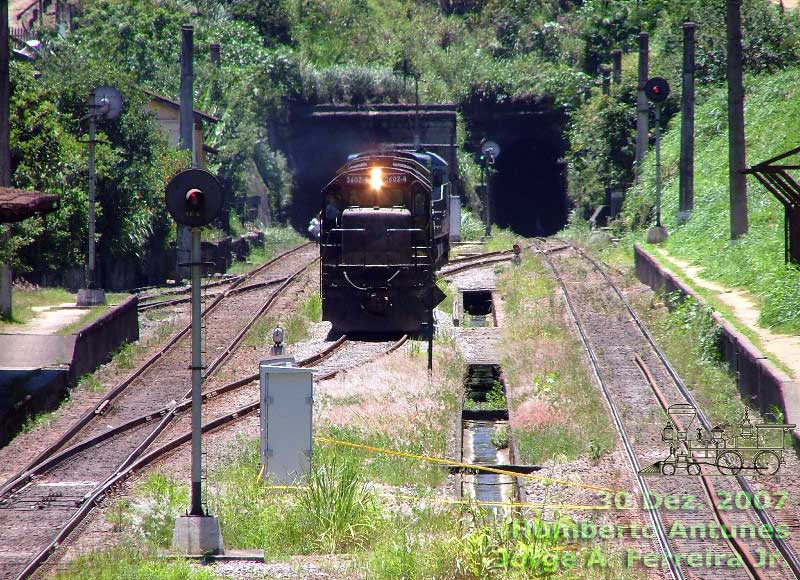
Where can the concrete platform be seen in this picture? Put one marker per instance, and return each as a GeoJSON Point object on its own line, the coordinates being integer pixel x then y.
{"type": "Point", "coordinates": [37, 369]}
{"type": "Point", "coordinates": [33, 351]}
{"type": "Point", "coordinates": [25, 391]}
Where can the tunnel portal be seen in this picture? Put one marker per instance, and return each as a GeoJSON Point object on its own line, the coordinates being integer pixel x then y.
{"type": "Point", "coordinates": [529, 183]}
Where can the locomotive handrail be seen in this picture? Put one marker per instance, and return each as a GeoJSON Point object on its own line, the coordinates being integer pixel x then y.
{"type": "Point", "coordinates": [413, 230]}
{"type": "Point", "coordinates": [348, 230]}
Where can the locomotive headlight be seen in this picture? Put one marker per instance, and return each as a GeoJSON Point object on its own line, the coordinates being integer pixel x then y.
{"type": "Point", "coordinates": [376, 178]}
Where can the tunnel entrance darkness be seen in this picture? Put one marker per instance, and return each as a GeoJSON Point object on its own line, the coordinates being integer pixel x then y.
{"type": "Point", "coordinates": [529, 187]}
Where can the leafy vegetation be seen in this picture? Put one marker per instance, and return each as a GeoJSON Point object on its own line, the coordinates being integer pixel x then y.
{"type": "Point", "coordinates": [131, 564]}
{"type": "Point", "coordinates": [689, 336]}
{"type": "Point", "coordinates": [756, 261]}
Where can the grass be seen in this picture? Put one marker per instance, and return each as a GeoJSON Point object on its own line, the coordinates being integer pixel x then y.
{"type": "Point", "coordinates": [755, 262]}
{"type": "Point", "coordinates": [446, 305]}
{"type": "Point", "coordinates": [311, 307]}
{"type": "Point", "coordinates": [555, 407]}
{"type": "Point", "coordinates": [501, 239]}
{"type": "Point", "coordinates": [472, 228]}
{"type": "Point", "coordinates": [25, 298]}
{"type": "Point", "coordinates": [332, 511]}
{"type": "Point", "coordinates": [688, 336]}
{"type": "Point", "coordinates": [390, 469]}
{"type": "Point", "coordinates": [131, 563]}
{"type": "Point", "coordinates": [277, 239]}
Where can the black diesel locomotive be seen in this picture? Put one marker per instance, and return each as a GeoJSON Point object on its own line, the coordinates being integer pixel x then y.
{"type": "Point", "coordinates": [384, 231]}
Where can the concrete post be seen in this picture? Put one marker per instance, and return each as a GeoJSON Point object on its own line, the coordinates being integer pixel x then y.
{"type": "Point", "coordinates": [737, 159]}
{"type": "Point", "coordinates": [216, 58]}
{"type": "Point", "coordinates": [686, 195]}
{"type": "Point", "coordinates": [606, 72]}
{"type": "Point", "coordinates": [197, 378]}
{"type": "Point", "coordinates": [187, 139]}
{"type": "Point", "coordinates": [642, 108]}
{"type": "Point", "coordinates": [5, 151]}
{"type": "Point", "coordinates": [616, 67]}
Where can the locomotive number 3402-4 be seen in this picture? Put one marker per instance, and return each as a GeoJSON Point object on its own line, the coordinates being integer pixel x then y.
{"type": "Point", "coordinates": [360, 179]}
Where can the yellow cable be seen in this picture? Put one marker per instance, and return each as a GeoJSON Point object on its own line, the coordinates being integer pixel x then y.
{"type": "Point", "coordinates": [470, 502]}
{"type": "Point", "coordinates": [509, 503]}
{"type": "Point", "coordinates": [443, 461]}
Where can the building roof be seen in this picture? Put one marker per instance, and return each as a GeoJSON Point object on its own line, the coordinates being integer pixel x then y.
{"type": "Point", "coordinates": [18, 204]}
{"type": "Point", "coordinates": [198, 115]}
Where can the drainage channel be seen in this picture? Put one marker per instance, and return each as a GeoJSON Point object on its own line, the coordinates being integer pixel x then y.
{"type": "Point", "coordinates": [486, 441]}
{"type": "Point", "coordinates": [474, 308]}
{"type": "Point", "coordinates": [485, 435]}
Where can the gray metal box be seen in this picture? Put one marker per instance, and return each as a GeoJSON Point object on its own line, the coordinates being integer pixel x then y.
{"type": "Point", "coordinates": [286, 406]}
{"type": "Point", "coordinates": [455, 218]}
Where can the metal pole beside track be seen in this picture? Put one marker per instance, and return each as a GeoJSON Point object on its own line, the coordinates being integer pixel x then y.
{"type": "Point", "coordinates": [658, 165]}
{"type": "Point", "coordinates": [197, 379]}
{"type": "Point", "coordinates": [90, 267]}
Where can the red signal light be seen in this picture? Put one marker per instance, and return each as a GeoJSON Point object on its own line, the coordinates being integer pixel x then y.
{"type": "Point", "coordinates": [516, 248]}
{"type": "Point", "coordinates": [194, 197]}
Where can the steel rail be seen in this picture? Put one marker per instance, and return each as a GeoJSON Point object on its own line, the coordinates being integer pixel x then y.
{"type": "Point", "coordinates": [733, 541]}
{"type": "Point", "coordinates": [783, 547]}
{"type": "Point", "coordinates": [184, 289]}
{"type": "Point", "coordinates": [234, 291]}
{"type": "Point", "coordinates": [655, 517]}
{"type": "Point", "coordinates": [85, 419]}
{"type": "Point", "coordinates": [178, 407]}
{"type": "Point", "coordinates": [167, 412]}
{"type": "Point", "coordinates": [137, 461]}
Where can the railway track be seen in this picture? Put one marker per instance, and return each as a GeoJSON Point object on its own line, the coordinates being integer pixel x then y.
{"type": "Point", "coordinates": [332, 359]}
{"type": "Point", "coordinates": [138, 374]}
{"type": "Point", "coordinates": [639, 384]}
{"type": "Point", "coordinates": [459, 265]}
{"type": "Point", "coordinates": [33, 507]}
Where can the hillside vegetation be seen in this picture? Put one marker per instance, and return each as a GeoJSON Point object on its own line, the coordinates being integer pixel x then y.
{"type": "Point", "coordinates": [358, 52]}
{"type": "Point", "coordinates": [756, 261]}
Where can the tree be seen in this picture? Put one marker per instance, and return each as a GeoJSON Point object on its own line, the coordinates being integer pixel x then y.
{"type": "Point", "coordinates": [736, 140]}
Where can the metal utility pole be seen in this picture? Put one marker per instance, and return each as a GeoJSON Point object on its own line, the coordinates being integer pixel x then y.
{"type": "Point", "coordinates": [658, 165]}
{"type": "Point", "coordinates": [197, 379]}
{"type": "Point", "coordinates": [737, 162]}
{"type": "Point", "coordinates": [194, 199]}
{"type": "Point", "coordinates": [5, 153]}
{"type": "Point", "coordinates": [487, 210]}
{"type": "Point", "coordinates": [90, 268]}
{"type": "Point", "coordinates": [183, 242]}
{"type": "Point", "coordinates": [686, 194]}
{"type": "Point", "coordinates": [642, 110]}
{"type": "Point", "coordinates": [616, 67]}
{"type": "Point", "coordinates": [104, 103]}
{"type": "Point", "coordinates": [657, 91]}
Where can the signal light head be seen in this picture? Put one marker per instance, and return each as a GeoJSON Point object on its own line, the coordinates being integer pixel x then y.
{"type": "Point", "coordinates": [516, 248]}
{"type": "Point", "coordinates": [194, 197]}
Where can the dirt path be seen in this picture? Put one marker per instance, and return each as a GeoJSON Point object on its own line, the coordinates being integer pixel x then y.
{"type": "Point", "coordinates": [51, 319]}
{"type": "Point", "coordinates": [783, 347]}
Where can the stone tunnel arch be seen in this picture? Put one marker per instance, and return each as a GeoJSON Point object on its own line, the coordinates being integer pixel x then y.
{"type": "Point", "coordinates": [529, 186]}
